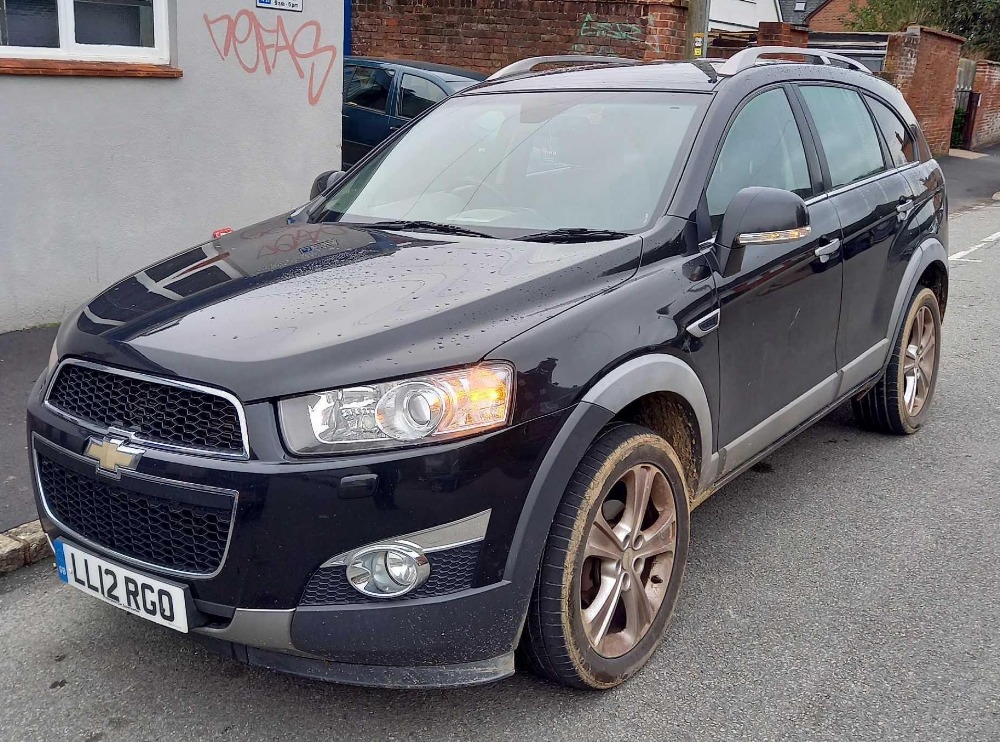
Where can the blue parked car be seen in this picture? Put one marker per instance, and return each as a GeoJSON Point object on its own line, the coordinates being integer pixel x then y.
{"type": "Point", "coordinates": [381, 95]}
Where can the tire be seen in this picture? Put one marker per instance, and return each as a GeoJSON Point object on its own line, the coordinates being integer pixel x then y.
{"type": "Point", "coordinates": [888, 407]}
{"type": "Point", "coordinates": [610, 478]}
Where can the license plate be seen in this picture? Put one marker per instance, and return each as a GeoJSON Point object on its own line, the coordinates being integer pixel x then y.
{"type": "Point", "coordinates": [155, 600]}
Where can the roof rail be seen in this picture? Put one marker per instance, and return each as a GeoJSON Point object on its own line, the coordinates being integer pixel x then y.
{"type": "Point", "coordinates": [527, 65]}
{"type": "Point", "coordinates": [752, 56]}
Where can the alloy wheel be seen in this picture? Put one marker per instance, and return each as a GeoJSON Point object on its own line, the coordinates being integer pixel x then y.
{"type": "Point", "coordinates": [628, 560]}
{"type": "Point", "coordinates": [918, 364]}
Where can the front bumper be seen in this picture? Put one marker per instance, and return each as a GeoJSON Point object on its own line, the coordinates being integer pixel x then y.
{"type": "Point", "coordinates": [292, 515]}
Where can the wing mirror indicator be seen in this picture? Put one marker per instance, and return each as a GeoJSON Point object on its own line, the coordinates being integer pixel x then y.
{"type": "Point", "coordinates": [774, 237]}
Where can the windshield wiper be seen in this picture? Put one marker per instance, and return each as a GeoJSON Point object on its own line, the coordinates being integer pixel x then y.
{"type": "Point", "coordinates": [574, 234]}
{"type": "Point", "coordinates": [420, 225]}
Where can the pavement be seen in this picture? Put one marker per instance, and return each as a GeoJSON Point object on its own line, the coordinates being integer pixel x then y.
{"type": "Point", "coordinates": [846, 588]}
{"type": "Point", "coordinates": [23, 355]}
{"type": "Point", "coordinates": [972, 179]}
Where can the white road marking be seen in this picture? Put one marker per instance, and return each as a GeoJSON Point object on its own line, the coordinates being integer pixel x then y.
{"type": "Point", "coordinates": [959, 255]}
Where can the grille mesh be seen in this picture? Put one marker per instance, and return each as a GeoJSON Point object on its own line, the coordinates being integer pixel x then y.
{"type": "Point", "coordinates": [451, 570]}
{"type": "Point", "coordinates": [157, 412]}
{"type": "Point", "coordinates": [162, 532]}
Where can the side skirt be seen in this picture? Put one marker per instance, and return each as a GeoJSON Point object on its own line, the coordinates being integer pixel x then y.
{"type": "Point", "coordinates": [856, 377]}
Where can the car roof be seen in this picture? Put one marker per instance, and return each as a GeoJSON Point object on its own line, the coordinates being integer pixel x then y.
{"type": "Point", "coordinates": [447, 72]}
{"type": "Point", "coordinates": [699, 76]}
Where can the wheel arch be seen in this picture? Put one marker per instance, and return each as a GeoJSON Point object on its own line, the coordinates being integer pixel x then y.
{"type": "Point", "coordinates": [655, 390]}
{"type": "Point", "coordinates": [928, 266]}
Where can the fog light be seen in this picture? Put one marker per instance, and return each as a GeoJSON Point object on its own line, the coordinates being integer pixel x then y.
{"type": "Point", "coordinates": [388, 570]}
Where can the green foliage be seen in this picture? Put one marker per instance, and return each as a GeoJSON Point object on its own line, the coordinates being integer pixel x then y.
{"type": "Point", "coordinates": [976, 20]}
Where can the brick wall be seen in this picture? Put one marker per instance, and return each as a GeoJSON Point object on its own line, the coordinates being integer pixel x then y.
{"type": "Point", "coordinates": [832, 16]}
{"type": "Point", "coordinates": [485, 35]}
{"type": "Point", "coordinates": [923, 64]}
{"type": "Point", "coordinates": [987, 84]}
{"type": "Point", "coordinates": [770, 33]}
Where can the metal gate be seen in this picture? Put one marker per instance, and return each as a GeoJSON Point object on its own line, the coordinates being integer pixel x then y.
{"type": "Point", "coordinates": [966, 104]}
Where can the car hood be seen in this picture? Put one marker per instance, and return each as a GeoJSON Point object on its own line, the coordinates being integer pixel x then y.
{"type": "Point", "coordinates": [281, 308]}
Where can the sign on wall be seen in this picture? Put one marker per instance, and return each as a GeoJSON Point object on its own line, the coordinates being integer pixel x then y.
{"type": "Point", "coordinates": [295, 5]}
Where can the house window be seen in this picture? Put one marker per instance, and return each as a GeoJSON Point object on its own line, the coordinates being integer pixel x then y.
{"type": "Point", "coordinates": [800, 7]}
{"type": "Point", "coordinates": [85, 30]}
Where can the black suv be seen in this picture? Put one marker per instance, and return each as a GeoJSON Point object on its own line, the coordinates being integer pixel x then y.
{"type": "Point", "coordinates": [460, 405]}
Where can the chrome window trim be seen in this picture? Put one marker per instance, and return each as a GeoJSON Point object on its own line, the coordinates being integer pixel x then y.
{"type": "Point", "coordinates": [858, 183]}
{"type": "Point", "coordinates": [137, 437]}
{"type": "Point", "coordinates": [150, 478]}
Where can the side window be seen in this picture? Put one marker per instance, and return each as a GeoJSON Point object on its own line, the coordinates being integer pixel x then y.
{"type": "Point", "coordinates": [348, 74]}
{"type": "Point", "coordinates": [417, 95]}
{"type": "Point", "coordinates": [763, 148]}
{"type": "Point", "coordinates": [369, 88]}
{"type": "Point", "coordinates": [901, 145]}
{"type": "Point", "coordinates": [846, 132]}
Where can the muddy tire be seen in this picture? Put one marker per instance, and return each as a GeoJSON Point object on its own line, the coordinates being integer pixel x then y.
{"type": "Point", "coordinates": [612, 565]}
{"type": "Point", "coordinates": [899, 402]}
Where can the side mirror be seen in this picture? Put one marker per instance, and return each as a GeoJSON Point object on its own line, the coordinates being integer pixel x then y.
{"type": "Point", "coordinates": [324, 181]}
{"type": "Point", "coordinates": [759, 216]}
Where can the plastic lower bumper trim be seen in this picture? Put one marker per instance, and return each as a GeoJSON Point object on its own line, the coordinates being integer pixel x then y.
{"type": "Point", "coordinates": [372, 676]}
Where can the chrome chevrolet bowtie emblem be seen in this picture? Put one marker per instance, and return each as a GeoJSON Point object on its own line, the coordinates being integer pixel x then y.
{"type": "Point", "coordinates": [113, 455]}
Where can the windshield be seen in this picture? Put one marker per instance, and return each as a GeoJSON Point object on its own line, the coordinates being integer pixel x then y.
{"type": "Point", "coordinates": [517, 163]}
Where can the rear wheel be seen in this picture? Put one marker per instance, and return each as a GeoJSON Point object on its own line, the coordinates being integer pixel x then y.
{"type": "Point", "coordinates": [613, 563]}
{"type": "Point", "coordinates": [899, 402]}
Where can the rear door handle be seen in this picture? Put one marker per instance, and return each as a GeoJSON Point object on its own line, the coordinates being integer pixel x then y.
{"type": "Point", "coordinates": [904, 207]}
{"type": "Point", "coordinates": [826, 251]}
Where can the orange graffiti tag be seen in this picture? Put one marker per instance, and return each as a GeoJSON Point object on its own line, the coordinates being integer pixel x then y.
{"type": "Point", "coordinates": [257, 47]}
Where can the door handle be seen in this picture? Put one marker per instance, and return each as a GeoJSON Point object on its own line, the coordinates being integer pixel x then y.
{"type": "Point", "coordinates": [904, 207]}
{"type": "Point", "coordinates": [826, 251]}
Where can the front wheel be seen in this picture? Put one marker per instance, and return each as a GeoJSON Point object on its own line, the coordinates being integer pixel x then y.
{"type": "Point", "coordinates": [899, 402]}
{"type": "Point", "coordinates": [613, 563]}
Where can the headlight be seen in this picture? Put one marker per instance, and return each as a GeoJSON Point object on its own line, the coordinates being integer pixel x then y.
{"type": "Point", "coordinates": [425, 409]}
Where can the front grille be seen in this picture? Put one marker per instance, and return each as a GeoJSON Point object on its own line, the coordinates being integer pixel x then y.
{"type": "Point", "coordinates": [451, 570]}
{"type": "Point", "coordinates": [158, 531]}
{"type": "Point", "coordinates": [156, 412]}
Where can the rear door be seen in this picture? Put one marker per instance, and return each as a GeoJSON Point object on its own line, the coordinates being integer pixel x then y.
{"type": "Point", "coordinates": [872, 198]}
{"type": "Point", "coordinates": [779, 313]}
{"type": "Point", "coordinates": [366, 111]}
{"type": "Point", "coordinates": [414, 96]}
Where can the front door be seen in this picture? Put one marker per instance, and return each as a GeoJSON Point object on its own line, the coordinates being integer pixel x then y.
{"type": "Point", "coordinates": [366, 111]}
{"type": "Point", "coordinates": [780, 311]}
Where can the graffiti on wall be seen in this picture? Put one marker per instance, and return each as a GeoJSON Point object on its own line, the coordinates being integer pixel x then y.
{"type": "Point", "coordinates": [592, 28]}
{"type": "Point", "coordinates": [259, 47]}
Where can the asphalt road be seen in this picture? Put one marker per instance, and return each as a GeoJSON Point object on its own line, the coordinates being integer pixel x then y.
{"type": "Point", "coordinates": [847, 589]}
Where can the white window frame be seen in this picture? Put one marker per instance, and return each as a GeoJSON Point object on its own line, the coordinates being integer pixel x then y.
{"type": "Point", "coordinates": [70, 50]}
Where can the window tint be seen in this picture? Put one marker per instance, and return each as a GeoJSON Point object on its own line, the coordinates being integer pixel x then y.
{"type": "Point", "coordinates": [369, 88]}
{"type": "Point", "coordinates": [418, 95]}
{"type": "Point", "coordinates": [895, 133]}
{"type": "Point", "coordinates": [763, 148]}
{"type": "Point", "coordinates": [846, 132]}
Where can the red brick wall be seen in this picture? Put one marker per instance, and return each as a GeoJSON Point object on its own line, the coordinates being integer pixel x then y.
{"type": "Point", "coordinates": [485, 35]}
{"type": "Point", "coordinates": [781, 34]}
{"type": "Point", "coordinates": [987, 84]}
{"type": "Point", "coordinates": [923, 64]}
{"type": "Point", "coordinates": [832, 16]}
